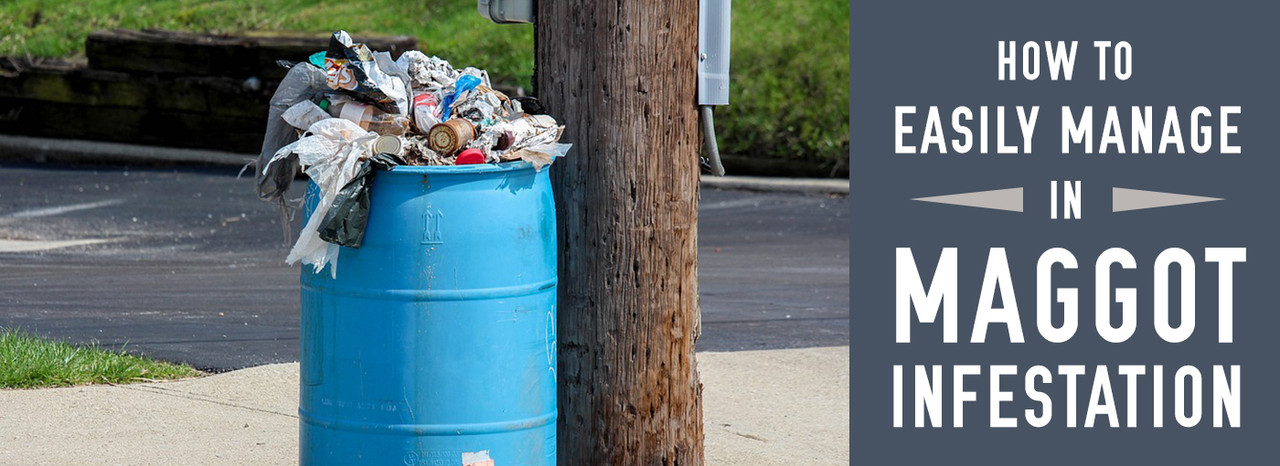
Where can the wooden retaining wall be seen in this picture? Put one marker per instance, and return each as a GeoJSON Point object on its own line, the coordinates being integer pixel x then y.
{"type": "Point", "coordinates": [159, 87]}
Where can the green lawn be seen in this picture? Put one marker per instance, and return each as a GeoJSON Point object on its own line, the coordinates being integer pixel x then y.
{"type": "Point", "coordinates": [30, 362]}
{"type": "Point", "coordinates": [789, 95]}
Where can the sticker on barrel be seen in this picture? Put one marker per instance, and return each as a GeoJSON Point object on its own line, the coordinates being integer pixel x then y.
{"type": "Point", "coordinates": [479, 458]}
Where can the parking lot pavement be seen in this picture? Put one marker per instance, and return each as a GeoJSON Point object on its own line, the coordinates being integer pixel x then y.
{"type": "Point", "coordinates": [188, 265]}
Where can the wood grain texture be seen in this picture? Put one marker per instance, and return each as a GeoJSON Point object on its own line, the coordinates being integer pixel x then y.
{"type": "Point", "coordinates": [622, 77]}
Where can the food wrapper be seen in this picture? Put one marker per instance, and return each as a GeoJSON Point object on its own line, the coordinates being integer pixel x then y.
{"type": "Point", "coordinates": [353, 69]}
{"type": "Point", "coordinates": [426, 111]}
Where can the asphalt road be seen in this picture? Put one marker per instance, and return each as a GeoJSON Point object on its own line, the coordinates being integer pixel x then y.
{"type": "Point", "coordinates": [188, 265]}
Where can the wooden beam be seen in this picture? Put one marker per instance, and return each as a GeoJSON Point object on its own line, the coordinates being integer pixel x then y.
{"type": "Point", "coordinates": [242, 56]}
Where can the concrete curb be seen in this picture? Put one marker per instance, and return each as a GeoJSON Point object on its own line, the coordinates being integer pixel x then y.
{"type": "Point", "coordinates": [760, 183]}
{"type": "Point", "coordinates": [80, 151]}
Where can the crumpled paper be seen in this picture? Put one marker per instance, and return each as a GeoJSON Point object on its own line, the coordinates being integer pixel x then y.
{"type": "Point", "coordinates": [427, 74]}
{"type": "Point", "coordinates": [534, 140]}
{"type": "Point", "coordinates": [418, 152]}
{"type": "Point", "coordinates": [484, 106]}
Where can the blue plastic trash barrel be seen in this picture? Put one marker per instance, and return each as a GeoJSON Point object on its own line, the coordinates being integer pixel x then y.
{"type": "Point", "coordinates": [437, 340]}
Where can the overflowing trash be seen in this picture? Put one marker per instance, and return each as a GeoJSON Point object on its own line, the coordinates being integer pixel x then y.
{"type": "Point", "coordinates": [349, 111]}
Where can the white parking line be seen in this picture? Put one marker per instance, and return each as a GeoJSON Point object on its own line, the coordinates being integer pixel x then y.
{"type": "Point", "coordinates": [13, 245]}
{"type": "Point", "coordinates": [59, 210]}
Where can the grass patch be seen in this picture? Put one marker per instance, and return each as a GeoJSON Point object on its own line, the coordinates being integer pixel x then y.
{"type": "Point", "coordinates": [789, 81]}
{"type": "Point", "coordinates": [451, 29]}
{"type": "Point", "coordinates": [789, 93]}
{"type": "Point", "coordinates": [27, 361]}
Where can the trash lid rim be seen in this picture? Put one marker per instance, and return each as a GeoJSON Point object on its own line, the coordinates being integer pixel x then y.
{"type": "Point", "coordinates": [461, 169]}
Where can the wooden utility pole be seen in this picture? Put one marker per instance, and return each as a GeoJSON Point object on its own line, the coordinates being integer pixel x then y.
{"type": "Point", "coordinates": [621, 76]}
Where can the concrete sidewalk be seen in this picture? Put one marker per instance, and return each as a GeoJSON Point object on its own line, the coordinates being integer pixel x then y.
{"type": "Point", "coordinates": [768, 407]}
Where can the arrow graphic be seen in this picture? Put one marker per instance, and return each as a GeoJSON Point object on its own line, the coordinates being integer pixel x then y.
{"type": "Point", "coordinates": [999, 199]}
{"type": "Point", "coordinates": [1123, 199]}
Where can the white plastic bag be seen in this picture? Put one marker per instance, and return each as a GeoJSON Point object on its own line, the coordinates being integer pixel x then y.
{"type": "Point", "coordinates": [330, 155]}
{"type": "Point", "coordinates": [301, 84]}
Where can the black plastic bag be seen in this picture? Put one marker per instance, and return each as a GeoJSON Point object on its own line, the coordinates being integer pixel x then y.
{"type": "Point", "coordinates": [345, 222]}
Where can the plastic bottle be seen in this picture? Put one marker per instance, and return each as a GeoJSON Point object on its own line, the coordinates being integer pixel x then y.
{"type": "Point", "coordinates": [368, 117]}
{"type": "Point", "coordinates": [388, 124]}
{"type": "Point", "coordinates": [350, 110]}
{"type": "Point", "coordinates": [304, 114]}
